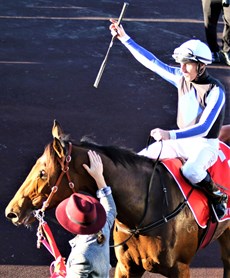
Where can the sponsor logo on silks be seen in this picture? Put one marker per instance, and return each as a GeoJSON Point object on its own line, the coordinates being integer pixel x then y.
{"type": "Point", "coordinates": [223, 157]}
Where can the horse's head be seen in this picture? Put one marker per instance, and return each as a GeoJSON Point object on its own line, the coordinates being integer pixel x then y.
{"type": "Point", "coordinates": [48, 170]}
{"type": "Point", "coordinates": [60, 166]}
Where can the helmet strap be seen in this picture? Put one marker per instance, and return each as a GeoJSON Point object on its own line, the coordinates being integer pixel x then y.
{"type": "Point", "coordinates": [200, 69]}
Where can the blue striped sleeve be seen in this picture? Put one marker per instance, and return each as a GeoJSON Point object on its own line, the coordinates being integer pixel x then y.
{"type": "Point", "coordinates": [214, 103]}
{"type": "Point", "coordinates": [147, 59]}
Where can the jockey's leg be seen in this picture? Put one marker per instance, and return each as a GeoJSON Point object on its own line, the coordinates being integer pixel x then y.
{"type": "Point", "coordinates": [218, 198]}
{"type": "Point", "coordinates": [195, 170]}
{"type": "Point", "coordinates": [183, 148]}
{"type": "Point", "coordinates": [167, 150]}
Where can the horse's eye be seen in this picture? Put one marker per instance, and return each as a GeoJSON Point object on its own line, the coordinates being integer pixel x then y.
{"type": "Point", "coordinates": [42, 175]}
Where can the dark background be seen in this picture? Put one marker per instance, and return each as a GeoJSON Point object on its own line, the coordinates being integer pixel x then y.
{"type": "Point", "coordinates": [50, 54]}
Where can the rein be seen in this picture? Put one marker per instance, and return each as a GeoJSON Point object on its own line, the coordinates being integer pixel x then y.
{"type": "Point", "coordinates": [137, 230]}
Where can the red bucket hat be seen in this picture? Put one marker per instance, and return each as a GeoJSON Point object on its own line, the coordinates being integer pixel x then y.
{"type": "Point", "coordinates": [81, 214]}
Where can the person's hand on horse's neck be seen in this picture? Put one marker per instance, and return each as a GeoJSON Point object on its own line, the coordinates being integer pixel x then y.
{"type": "Point", "coordinates": [96, 169]}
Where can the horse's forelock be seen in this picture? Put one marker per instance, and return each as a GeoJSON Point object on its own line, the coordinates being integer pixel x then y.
{"type": "Point", "coordinates": [65, 137]}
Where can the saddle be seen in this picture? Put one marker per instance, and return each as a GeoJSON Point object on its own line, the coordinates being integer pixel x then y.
{"type": "Point", "coordinates": [197, 200]}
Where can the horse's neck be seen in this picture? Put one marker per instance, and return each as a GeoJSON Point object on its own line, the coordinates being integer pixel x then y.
{"type": "Point", "coordinates": [139, 193]}
{"type": "Point", "coordinates": [129, 183]}
{"type": "Point", "coordinates": [129, 188]}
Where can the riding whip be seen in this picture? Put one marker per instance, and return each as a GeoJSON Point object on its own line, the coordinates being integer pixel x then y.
{"type": "Point", "coordinates": [99, 75]}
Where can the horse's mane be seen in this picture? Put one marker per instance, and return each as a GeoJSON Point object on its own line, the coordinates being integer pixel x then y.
{"type": "Point", "coordinates": [117, 154]}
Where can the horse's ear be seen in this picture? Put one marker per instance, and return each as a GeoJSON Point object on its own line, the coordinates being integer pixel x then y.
{"type": "Point", "coordinates": [59, 149]}
{"type": "Point", "coordinates": [58, 143]}
{"type": "Point", "coordinates": [57, 131]}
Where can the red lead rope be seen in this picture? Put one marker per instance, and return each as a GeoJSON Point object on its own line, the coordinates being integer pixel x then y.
{"type": "Point", "coordinates": [57, 267]}
{"type": "Point", "coordinates": [44, 234]}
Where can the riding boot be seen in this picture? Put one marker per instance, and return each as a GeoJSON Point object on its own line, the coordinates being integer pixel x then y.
{"type": "Point", "coordinates": [218, 198]}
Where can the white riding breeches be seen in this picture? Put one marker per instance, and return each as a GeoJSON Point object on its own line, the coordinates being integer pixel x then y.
{"type": "Point", "coordinates": [199, 153]}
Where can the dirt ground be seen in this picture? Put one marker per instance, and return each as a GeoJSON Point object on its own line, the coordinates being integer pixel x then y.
{"type": "Point", "coordinates": [50, 54]}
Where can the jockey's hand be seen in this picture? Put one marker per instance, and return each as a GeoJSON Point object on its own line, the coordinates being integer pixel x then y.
{"type": "Point", "coordinates": [116, 30]}
{"type": "Point", "coordinates": [160, 134]}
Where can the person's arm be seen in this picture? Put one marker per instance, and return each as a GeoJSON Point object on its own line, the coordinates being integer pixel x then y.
{"type": "Point", "coordinates": [104, 192]}
{"type": "Point", "coordinates": [146, 58]}
{"type": "Point", "coordinates": [214, 104]}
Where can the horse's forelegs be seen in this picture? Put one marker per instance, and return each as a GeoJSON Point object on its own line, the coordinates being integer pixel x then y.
{"type": "Point", "coordinates": [224, 241]}
{"type": "Point", "coordinates": [120, 272]}
{"type": "Point", "coordinates": [180, 270]}
{"type": "Point", "coordinates": [125, 272]}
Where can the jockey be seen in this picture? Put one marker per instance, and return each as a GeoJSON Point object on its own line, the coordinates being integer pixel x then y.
{"type": "Point", "coordinates": [200, 112]}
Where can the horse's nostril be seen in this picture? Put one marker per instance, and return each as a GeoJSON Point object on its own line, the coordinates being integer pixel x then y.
{"type": "Point", "coordinates": [11, 215]}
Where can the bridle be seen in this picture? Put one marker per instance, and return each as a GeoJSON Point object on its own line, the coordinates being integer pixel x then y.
{"type": "Point", "coordinates": [64, 171]}
{"type": "Point", "coordinates": [40, 213]}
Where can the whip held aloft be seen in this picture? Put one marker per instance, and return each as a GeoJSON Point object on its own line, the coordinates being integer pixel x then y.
{"type": "Point", "coordinates": [99, 75]}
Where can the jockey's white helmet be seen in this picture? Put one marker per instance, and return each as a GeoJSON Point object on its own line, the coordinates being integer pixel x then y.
{"type": "Point", "coordinates": [193, 50]}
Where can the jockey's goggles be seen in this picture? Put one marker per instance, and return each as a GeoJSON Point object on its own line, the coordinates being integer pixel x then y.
{"type": "Point", "coordinates": [184, 55]}
{"type": "Point", "coordinates": [193, 51]}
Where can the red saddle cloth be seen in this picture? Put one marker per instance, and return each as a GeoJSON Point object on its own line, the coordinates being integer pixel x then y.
{"type": "Point", "coordinates": [197, 201]}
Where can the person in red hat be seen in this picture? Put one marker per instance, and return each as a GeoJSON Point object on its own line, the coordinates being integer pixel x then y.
{"type": "Point", "coordinates": [91, 221]}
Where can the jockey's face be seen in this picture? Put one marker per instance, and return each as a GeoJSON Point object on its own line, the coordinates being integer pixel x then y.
{"type": "Point", "coordinates": [189, 71]}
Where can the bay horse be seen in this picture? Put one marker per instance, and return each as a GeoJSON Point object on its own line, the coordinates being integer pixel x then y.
{"type": "Point", "coordinates": [154, 231]}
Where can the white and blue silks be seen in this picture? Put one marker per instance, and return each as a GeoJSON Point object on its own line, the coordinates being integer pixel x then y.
{"type": "Point", "coordinates": [199, 116]}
